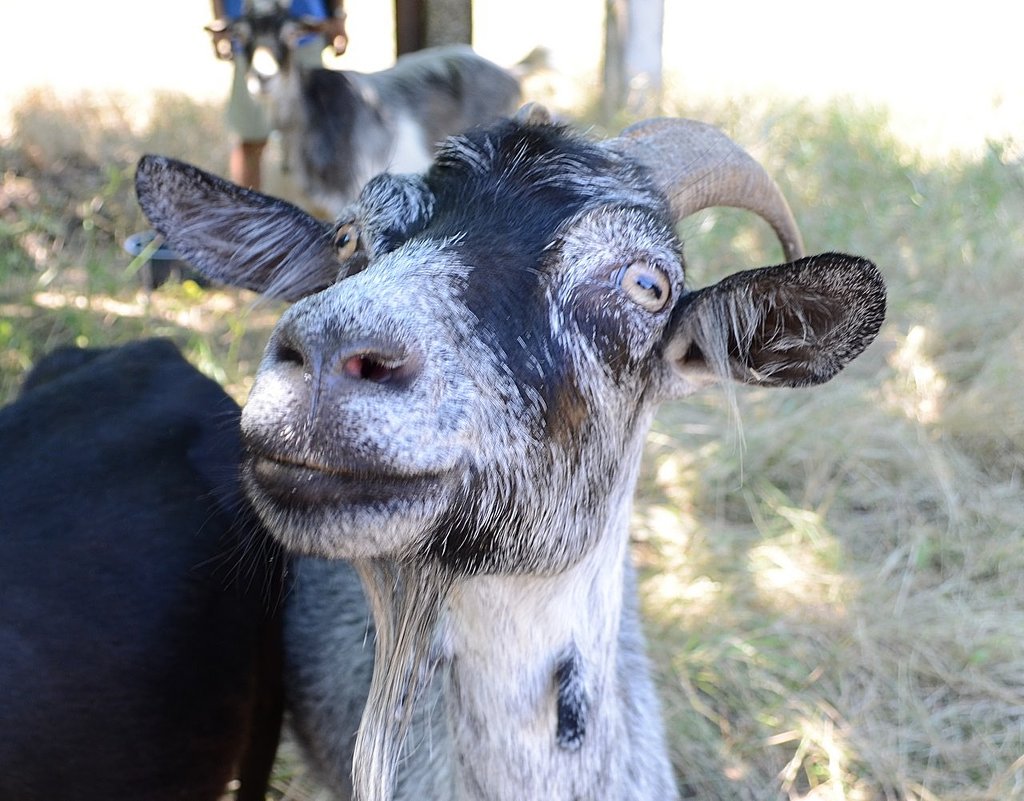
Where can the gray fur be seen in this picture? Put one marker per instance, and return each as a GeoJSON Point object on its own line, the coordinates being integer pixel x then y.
{"type": "Point", "coordinates": [462, 419]}
{"type": "Point", "coordinates": [341, 127]}
{"type": "Point", "coordinates": [395, 119]}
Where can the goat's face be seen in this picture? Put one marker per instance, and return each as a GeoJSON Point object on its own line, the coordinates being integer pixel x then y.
{"type": "Point", "coordinates": [264, 39]}
{"type": "Point", "coordinates": [476, 389]}
{"type": "Point", "coordinates": [484, 372]}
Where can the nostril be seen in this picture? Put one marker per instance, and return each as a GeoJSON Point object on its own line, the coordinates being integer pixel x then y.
{"type": "Point", "coordinates": [286, 354]}
{"type": "Point", "coordinates": [290, 345]}
{"type": "Point", "coordinates": [365, 360]}
{"type": "Point", "coordinates": [368, 367]}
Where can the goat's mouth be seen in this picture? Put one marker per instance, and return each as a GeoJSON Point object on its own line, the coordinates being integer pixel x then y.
{"type": "Point", "coordinates": [299, 482]}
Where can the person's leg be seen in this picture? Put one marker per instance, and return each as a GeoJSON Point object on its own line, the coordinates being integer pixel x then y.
{"type": "Point", "coordinates": [244, 167]}
{"type": "Point", "coordinates": [310, 54]}
{"type": "Point", "coordinates": [248, 121]}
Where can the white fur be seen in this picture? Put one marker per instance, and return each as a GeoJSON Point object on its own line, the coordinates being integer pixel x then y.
{"type": "Point", "coordinates": [410, 153]}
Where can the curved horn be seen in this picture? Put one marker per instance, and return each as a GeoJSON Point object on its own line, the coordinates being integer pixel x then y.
{"type": "Point", "coordinates": [697, 167]}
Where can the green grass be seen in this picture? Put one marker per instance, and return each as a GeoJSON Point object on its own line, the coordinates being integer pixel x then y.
{"type": "Point", "coordinates": [834, 582]}
{"type": "Point", "coordinates": [67, 204]}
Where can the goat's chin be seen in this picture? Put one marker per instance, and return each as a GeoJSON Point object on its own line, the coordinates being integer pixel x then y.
{"type": "Point", "coordinates": [336, 516]}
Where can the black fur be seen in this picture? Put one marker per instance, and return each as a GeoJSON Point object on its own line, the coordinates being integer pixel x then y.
{"type": "Point", "coordinates": [335, 113]}
{"type": "Point", "coordinates": [139, 640]}
{"type": "Point", "coordinates": [572, 702]}
{"type": "Point", "coordinates": [513, 177]}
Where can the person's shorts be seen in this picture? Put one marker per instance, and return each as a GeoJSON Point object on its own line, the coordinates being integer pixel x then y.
{"type": "Point", "coordinates": [247, 115]}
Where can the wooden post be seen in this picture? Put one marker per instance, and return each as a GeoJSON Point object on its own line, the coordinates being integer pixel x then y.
{"type": "Point", "coordinates": [428, 23]}
{"type": "Point", "coordinates": [632, 58]}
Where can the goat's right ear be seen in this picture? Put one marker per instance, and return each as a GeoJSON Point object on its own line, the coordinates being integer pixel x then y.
{"type": "Point", "coordinates": [796, 324]}
{"type": "Point", "coordinates": [236, 236]}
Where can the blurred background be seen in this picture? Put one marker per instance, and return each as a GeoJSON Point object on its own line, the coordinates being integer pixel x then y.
{"type": "Point", "coordinates": [834, 580]}
{"type": "Point", "coordinates": [950, 76]}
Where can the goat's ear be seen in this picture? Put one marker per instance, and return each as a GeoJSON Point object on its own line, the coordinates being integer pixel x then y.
{"type": "Point", "coordinates": [792, 325]}
{"type": "Point", "coordinates": [234, 235]}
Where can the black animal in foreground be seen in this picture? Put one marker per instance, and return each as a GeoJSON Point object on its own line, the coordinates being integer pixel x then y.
{"type": "Point", "coordinates": [139, 636]}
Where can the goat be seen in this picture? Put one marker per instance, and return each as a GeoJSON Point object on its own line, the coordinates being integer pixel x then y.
{"type": "Point", "coordinates": [138, 657]}
{"type": "Point", "coordinates": [454, 410]}
{"type": "Point", "coordinates": [339, 128]}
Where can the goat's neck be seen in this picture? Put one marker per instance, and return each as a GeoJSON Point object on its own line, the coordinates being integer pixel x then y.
{"type": "Point", "coordinates": [515, 733]}
{"type": "Point", "coordinates": [286, 107]}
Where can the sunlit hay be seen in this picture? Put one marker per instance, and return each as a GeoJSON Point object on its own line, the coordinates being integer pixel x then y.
{"type": "Point", "coordinates": [789, 577]}
{"type": "Point", "coordinates": [106, 128]}
{"type": "Point", "coordinates": [821, 766]}
{"type": "Point", "coordinates": [51, 130]}
{"type": "Point", "coordinates": [913, 551]}
{"type": "Point", "coordinates": [938, 702]}
{"type": "Point", "coordinates": [986, 411]}
{"type": "Point", "coordinates": [919, 386]}
{"type": "Point", "coordinates": [183, 128]}
{"type": "Point", "coordinates": [67, 205]}
{"type": "Point", "coordinates": [869, 539]}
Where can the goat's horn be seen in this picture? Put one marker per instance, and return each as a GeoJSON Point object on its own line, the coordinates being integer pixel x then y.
{"type": "Point", "coordinates": [697, 167]}
{"type": "Point", "coordinates": [533, 114]}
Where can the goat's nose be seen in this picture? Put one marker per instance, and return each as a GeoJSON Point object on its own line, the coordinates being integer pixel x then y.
{"type": "Point", "coordinates": [342, 363]}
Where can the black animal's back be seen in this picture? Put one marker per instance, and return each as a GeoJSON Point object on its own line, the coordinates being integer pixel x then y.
{"type": "Point", "coordinates": [136, 614]}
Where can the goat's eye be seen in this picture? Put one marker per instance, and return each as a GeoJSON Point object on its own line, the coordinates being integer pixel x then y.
{"type": "Point", "coordinates": [645, 285]}
{"type": "Point", "coordinates": [346, 240]}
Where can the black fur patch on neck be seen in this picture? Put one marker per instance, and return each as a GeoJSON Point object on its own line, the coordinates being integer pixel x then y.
{"type": "Point", "coordinates": [572, 706]}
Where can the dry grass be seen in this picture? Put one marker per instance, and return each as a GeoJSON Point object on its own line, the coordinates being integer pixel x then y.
{"type": "Point", "coordinates": [835, 587]}
{"type": "Point", "coordinates": [836, 594]}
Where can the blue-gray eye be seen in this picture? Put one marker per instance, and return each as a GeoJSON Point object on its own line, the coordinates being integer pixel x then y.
{"type": "Point", "coordinates": [645, 285]}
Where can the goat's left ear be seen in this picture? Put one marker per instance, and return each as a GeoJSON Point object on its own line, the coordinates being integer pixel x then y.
{"type": "Point", "coordinates": [792, 325]}
{"type": "Point", "coordinates": [235, 235]}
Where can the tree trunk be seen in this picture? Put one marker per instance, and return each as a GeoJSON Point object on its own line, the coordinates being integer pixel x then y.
{"type": "Point", "coordinates": [428, 23]}
{"type": "Point", "coordinates": [632, 57]}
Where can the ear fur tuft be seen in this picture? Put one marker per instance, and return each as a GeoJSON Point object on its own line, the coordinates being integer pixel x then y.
{"type": "Point", "coordinates": [795, 324]}
{"type": "Point", "coordinates": [233, 235]}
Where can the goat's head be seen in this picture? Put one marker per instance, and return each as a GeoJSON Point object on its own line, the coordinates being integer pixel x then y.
{"type": "Point", "coordinates": [264, 37]}
{"type": "Point", "coordinates": [476, 353]}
